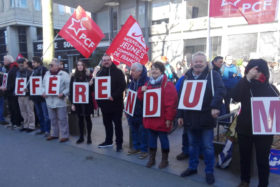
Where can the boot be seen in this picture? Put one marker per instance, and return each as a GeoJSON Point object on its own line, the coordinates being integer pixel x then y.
{"type": "Point", "coordinates": [152, 158]}
{"type": "Point", "coordinates": [164, 159]}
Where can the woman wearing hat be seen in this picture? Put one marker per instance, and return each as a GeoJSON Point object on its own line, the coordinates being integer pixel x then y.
{"type": "Point", "coordinates": [253, 84]}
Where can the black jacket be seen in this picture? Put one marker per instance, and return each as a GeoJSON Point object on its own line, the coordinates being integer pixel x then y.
{"type": "Point", "coordinates": [12, 73]}
{"type": "Point", "coordinates": [118, 86]}
{"type": "Point", "coordinates": [197, 120]}
{"type": "Point", "coordinates": [241, 93]}
{"type": "Point", "coordinates": [82, 109]}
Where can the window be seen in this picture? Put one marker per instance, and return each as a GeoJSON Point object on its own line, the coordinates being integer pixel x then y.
{"type": "Point", "coordinates": [3, 44]}
{"type": "Point", "coordinates": [37, 5]}
{"type": "Point", "coordinates": [61, 9]}
{"type": "Point", "coordinates": [194, 12]}
{"type": "Point", "coordinates": [22, 41]}
{"type": "Point", "coordinates": [18, 3]}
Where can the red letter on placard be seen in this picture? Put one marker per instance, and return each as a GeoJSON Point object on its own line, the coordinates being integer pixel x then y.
{"type": "Point", "coordinates": [101, 88]}
{"type": "Point", "coordinates": [35, 84]}
{"type": "Point", "coordinates": [20, 87]}
{"type": "Point", "coordinates": [80, 92]}
{"type": "Point", "coordinates": [52, 85]}
{"type": "Point", "coordinates": [196, 97]}
{"type": "Point", "coordinates": [152, 99]}
{"type": "Point", "coordinates": [130, 102]}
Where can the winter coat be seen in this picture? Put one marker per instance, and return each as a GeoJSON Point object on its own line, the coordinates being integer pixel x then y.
{"type": "Point", "coordinates": [134, 85]}
{"type": "Point", "coordinates": [82, 109]}
{"type": "Point", "coordinates": [118, 86]}
{"type": "Point", "coordinates": [168, 106]}
{"type": "Point", "coordinates": [12, 73]}
{"type": "Point", "coordinates": [39, 71]}
{"type": "Point", "coordinates": [241, 93]}
{"type": "Point", "coordinates": [198, 120]}
{"type": "Point", "coordinates": [24, 73]}
{"type": "Point", "coordinates": [54, 101]}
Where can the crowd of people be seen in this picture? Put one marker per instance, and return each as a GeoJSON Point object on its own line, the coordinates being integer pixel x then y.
{"type": "Point", "coordinates": [224, 83]}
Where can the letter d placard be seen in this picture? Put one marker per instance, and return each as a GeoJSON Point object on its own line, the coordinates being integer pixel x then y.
{"type": "Point", "coordinates": [152, 103]}
{"type": "Point", "coordinates": [192, 95]}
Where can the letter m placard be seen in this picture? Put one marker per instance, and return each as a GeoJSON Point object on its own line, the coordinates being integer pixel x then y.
{"type": "Point", "coordinates": [265, 115]}
{"type": "Point", "coordinates": [192, 94]}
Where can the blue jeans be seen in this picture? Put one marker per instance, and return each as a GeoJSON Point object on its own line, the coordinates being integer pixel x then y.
{"type": "Point", "coordinates": [2, 109]}
{"type": "Point", "coordinates": [153, 135]}
{"type": "Point", "coordinates": [185, 143]}
{"type": "Point", "coordinates": [43, 116]}
{"type": "Point", "coordinates": [204, 137]}
{"type": "Point", "coordinates": [139, 134]}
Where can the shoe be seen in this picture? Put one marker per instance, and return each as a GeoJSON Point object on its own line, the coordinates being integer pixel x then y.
{"type": "Point", "coordinates": [164, 159]}
{"type": "Point", "coordinates": [210, 179]}
{"type": "Point", "coordinates": [152, 158]}
{"type": "Point", "coordinates": [243, 184]}
{"type": "Point", "coordinates": [182, 156]}
{"type": "Point", "coordinates": [63, 140]}
{"type": "Point", "coordinates": [119, 148]}
{"type": "Point", "coordinates": [89, 141]}
{"type": "Point", "coordinates": [29, 130]}
{"type": "Point", "coordinates": [132, 152]}
{"type": "Point", "coordinates": [9, 126]}
{"type": "Point", "coordinates": [14, 127]}
{"type": "Point", "coordinates": [4, 122]}
{"type": "Point", "coordinates": [80, 140]}
{"type": "Point", "coordinates": [143, 155]}
{"type": "Point", "coordinates": [104, 144]}
{"type": "Point", "coordinates": [47, 134]}
{"type": "Point", "coordinates": [23, 129]}
{"type": "Point", "coordinates": [51, 138]}
{"type": "Point", "coordinates": [39, 133]}
{"type": "Point", "coordinates": [188, 172]}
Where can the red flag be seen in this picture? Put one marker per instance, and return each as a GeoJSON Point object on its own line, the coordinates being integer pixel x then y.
{"type": "Point", "coordinates": [82, 32]}
{"type": "Point", "coordinates": [129, 45]}
{"type": "Point", "coordinates": [254, 11]}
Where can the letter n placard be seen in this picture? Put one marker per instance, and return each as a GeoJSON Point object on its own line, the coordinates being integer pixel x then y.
{"type": "Point", "coordinates": [265, 115]}
{"type": "Point", "coordinates": [130, 102]}
{"type": "Point", "coordinates": [152, 103]}
{"type": "Point", "coordinates": [192, 95]}
{"type": "Point", "coordinates": [80, 92]}
{"type": "Point", "coordinates": [102, 88]}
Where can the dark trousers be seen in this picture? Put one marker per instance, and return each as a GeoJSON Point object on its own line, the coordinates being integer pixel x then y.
{"type": "Point", "coordinates": [227, 101]}
{"type": "Point", "coordinates": [14, 110]}
{"type": "Point", "coordinates": [82, 125]}
{"type": "Point", "coordinates": [108, 119]}
{"type": "Point", "coordinates": [262, 145]}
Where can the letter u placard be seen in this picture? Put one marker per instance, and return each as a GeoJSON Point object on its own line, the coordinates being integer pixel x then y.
{"type": "Point", "coordinates": [80, 92]}
{"type": "Point", "coordinates": [192, 95]}
{"type": "Point", "coordinates": [152, 103]}
{"type": "Point", "coordinates": [265, 115]}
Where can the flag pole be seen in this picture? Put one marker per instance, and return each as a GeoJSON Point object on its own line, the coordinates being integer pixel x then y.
{"type": "Point", "coordinates": [208, 47]}
{"type": "Point", "coordinates": [49, 46]}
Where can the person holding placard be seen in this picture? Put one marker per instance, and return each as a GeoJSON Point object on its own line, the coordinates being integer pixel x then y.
{"type": "Point", "coordinates": [3, 79]}
{"type": "Point", "coordinates": [159, 110]}
{"type": "Point", "coordinates": [112, 105]}
{"type": "Point", "coordinates": [81, 99]}
{"type": "Point", "coordinates": [39, 102]}
{"type": "Point", "coordinates": [135, 120]}
{"type": "Point", "coordinates": [12, 68]}
{"type": "Point", "coordinates": [55, 90]}
{"type": "Point", "coordinates": [25, 103]}
{"type": "Point", "coordinates": [254, 84]}
{"type": "Point", "coordinates": [200, 101]}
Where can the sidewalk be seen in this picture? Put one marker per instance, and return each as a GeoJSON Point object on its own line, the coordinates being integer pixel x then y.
{"type": "Point", "coordinates": [223, 177]}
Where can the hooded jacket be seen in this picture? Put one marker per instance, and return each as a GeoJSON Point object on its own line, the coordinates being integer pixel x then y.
{"type": "Point", "coordinates": [134, 85]}
{"type": "Point", "coordinates": [118, 86]}
{"type": "Point", "coordinates": [198, 120]}
{"type": "Point", "coordinates": [12, 73]}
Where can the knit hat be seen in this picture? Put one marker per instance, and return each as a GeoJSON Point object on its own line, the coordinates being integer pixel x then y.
{"type": "Point", "coordinates": [262, 67]}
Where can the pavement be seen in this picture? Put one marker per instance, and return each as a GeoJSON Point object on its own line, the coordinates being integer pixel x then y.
{"type": "Point", "coordinates": [29, 160]}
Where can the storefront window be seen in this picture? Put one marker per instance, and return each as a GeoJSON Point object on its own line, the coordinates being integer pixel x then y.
{"type": "Point", "coordinates": [18, 3]}
{"type": "Point", "coordinates": [37, 5]}
{"type": "Point", "coordinates": [22, 41]}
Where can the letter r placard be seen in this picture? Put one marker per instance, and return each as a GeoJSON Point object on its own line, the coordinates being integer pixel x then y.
{"type": "Point", "coordinates": [81, 92]}
{"type": "Point", "coordinates": [265, 115]}
{"type": "Point", "coordinates": [152, 103]}
{"type": "Point", "coordinates": [192, 95]}
{"type": "Point", "coordinates": [130, 102]}
{"type": "Point", "coordinates": [102, 87]}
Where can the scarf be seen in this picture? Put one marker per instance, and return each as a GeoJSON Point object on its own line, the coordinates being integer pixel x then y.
{"type": "Point", "coordinates": [156, 81]}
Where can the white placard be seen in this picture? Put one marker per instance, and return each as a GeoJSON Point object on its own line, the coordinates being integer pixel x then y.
{"type": "Point", "coordinates": [52, 85]}
{"type": "Point", "coordinates": [265, 115]}
{"type": "Point", "coordinates": [20, 86]}
{"type": "Point", "coordinates": [102, 87]}
{"type": "Point", "coordinates": [152, 103]}
{"type": "Point", "coordinates": [192, 95]}
{"type": "Point", "coordinates": [5, 80]}
{"type": "Point", "coordinates": [80, 92]}
{"type": "Point", "coordinates": [130, 102]}
{"type": "Point", "coordinates": [36, 85]}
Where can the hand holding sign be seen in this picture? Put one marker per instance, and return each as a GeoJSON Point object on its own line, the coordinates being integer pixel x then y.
{"type": "Point", "coordinates": [215, 113]}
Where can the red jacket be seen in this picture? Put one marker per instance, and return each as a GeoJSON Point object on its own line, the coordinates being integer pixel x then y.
{"type": "Point", "coordinates": [168, 106]}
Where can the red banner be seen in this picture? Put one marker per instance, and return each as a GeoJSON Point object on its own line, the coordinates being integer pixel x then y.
{"type": "Point", "coordinates": [82, 32]}
{"type": "Point", "coordinates": [254, 11]}
{"type": "Point", "coordinates": [129, 45]}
